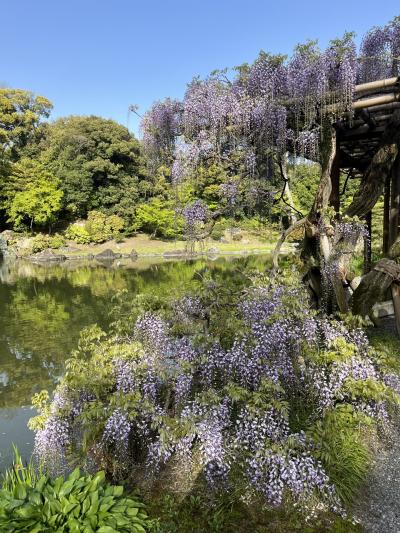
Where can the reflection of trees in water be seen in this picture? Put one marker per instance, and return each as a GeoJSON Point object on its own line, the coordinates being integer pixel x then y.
{"type": "Point", "coordinates": [44, 308]}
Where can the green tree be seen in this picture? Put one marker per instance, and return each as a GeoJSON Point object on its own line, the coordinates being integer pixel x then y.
{"type": "Point", "coordinates": [159, 218]}
{"type": "Point", "coordinates": [21, 113]}
{"type": "Point", "coordinates": [31, 194]}
{"type": "Point", "coordinates": [98, 163]}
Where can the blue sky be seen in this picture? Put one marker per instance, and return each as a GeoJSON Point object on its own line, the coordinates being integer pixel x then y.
{"type": "Point", "coordinates": [100, 56]}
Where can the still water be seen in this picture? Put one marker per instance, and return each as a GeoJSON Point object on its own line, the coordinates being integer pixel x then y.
{"type": "Point", "coordinates": [43, 308]}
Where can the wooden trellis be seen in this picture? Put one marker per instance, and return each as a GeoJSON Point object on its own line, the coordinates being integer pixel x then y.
{"type": "Point", "coordinates": [358, 139]}
{"type": "Point", "coordinates": [365, 139]}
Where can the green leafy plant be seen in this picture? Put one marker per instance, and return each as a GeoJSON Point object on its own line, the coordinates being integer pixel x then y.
{"type": "Point", "coordinates": [77, 233]}
{"type": "Point", "coordinates": [42, 242]}
{"type": "Point", "coordinates": [19, 474]}
{"type": "Point", "coordinates": [34, 502]}
{"type": "Point", "coordinates": [101, 227]}
{"type": "Point", "coordinates": [341, 447]}
{"type": "Point", "coordinates": [159, 218]}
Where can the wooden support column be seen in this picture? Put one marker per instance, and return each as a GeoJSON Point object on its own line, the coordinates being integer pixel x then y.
{"type": "Point", "coordinates": [394, 202]}
{"type": "Point", "coordinates": [386, 209]}
{"type": "Point", "coordinates": [334, 199]}
{"type": "Point", "coordinates": [396, 304]}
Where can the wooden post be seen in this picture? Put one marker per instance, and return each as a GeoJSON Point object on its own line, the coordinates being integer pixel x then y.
{"type": "Point", "coordinates": [386, 208]}
{"type": "Point", "coordinates": [334, 199]}
{"type": "Point", "coordinates": [394, 202]}
{"type": "Point", "coordinates": [368, 244]}
{"type": "Point", "coordinates": [396, 304]}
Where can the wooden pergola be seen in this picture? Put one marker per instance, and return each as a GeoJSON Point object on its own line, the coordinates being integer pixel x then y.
{"type": "Point", "coordinates": [364, 143]}
{"type": "Point", "coordinates": [368, 146]}
{"type": "Point", "coordinates": [359, 137]}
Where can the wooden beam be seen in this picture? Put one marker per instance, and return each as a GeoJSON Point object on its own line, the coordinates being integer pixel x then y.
{"type": "Point", "coordinates": [385, 107]}
{"type": "Point", "coordinates": [376, 100]}
{"type": "Point", "coordinates": [378, 84]}
{"type": "Point", "coordinates": [368, 103]}
{"type": "Point", "coordinates": [361, 132]}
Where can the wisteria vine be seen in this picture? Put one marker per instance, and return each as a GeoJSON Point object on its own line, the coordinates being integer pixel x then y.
{"type": "Point", "coordinates": [227, 409]}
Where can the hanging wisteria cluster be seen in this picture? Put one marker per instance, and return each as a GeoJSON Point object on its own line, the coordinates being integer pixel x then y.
{"type": "Point", "coordinates": [228, 409]}
{"type": "Point", "coordinates": [271, 106]}
{"type": "Point", "coordinates": [380, 52]}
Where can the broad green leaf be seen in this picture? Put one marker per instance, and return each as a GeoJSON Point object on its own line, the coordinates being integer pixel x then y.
{"type": "Point", "coordinates": [74, 475]}
{"type": "Point", "coordinates": [68, 508]}
{"type": "Point", "coordinates": [67, 487]}
{"type": "Point", "coordinates": [118, 490]}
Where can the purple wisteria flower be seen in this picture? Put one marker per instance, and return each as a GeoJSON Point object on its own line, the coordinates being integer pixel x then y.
{"type": "Point", "coordinates": [117, 429]}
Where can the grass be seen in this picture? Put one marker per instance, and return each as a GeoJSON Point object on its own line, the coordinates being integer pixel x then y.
{"type": "Point", "coordinates": [199, 513]}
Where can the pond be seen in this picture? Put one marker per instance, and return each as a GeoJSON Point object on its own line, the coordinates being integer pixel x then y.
{"type": "Point", "coordinates": [43, 308]}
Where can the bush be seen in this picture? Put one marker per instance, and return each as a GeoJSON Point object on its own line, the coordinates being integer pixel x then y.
{"type": "Point", "coordinates": [218, 230]}
{"type": "Point", "coordinates": [78, 234]}
{"type": "Point", "coordinates": [42, 242]}
{"type": "Point", "coordinates": [102, 228]}
{"type": "Point", "coordinates": [34, 503]}
{"type": "Point", "coordinates": [343, 453]}
{"type": "Point", "coordinates": [158, 217]}
{"type": "Point", "coordinates": [242, 409]}
{"type": "Point", "coordinates": [98, 228]}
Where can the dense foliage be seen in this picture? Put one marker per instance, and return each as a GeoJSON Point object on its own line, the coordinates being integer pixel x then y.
{"type": "Point", "coordinates": [250, 392]}
{"type": "Point", "coordinates": [31, 501]}
{"type": "Point", "coordinates": [257, 122]}
{"type": "Point", "coordinates": [97, 162]}
{"type": "Point", "coordinates": [31, 194]}
{"type": "Point", "coordinates": [226, 143]}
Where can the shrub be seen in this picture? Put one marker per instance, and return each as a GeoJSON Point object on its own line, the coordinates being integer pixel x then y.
{"type": "Point", "coordinates": [243, 411]}
{"type": "Point", "coordinates": [81, 502]}
{"type": "Point", "coordinates": [42, 242]}
{"type": "Point", "coordinates": [158, 217]}
{"type": "Point", "coordinates": [102, 228]}
{"type": "Point", "coordinates": [340, 447]}
{"type": "Point", "coordinates": [218, 230]}
{"type": "Point", "coordinates": [78, 234]}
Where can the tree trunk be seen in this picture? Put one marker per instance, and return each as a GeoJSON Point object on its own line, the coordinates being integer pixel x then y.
{"type": "Point", "coordinates": [374, 285]}
{"type": "Point", "coordinates": [288, 194]}
{"type": "Point", "coordinates": [319, 232]}
{"type": "Point", "coordinates": [328, 157]}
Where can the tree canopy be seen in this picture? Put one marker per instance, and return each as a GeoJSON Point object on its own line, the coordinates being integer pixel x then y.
{"type": "Point", "coordinates": [31, 194]}
{"type": "Point", "coordinates": [98, 163]}
{"type": "Point", "coordinates": [20, 115]}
